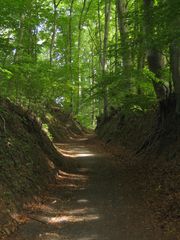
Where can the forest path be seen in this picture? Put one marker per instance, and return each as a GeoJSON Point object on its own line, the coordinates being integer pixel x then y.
{"type": "Point", "coordinates": [97, 201]}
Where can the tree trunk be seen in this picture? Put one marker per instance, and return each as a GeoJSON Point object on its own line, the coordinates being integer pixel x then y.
{"type": "Point", "coordinates": [19, 39]}
{"type": "Point", "coordinates": [156, 63]}
{"type": "Point", "coordinates": [154, 57]}
{"type": "Point", "coordinates": [100, 35]}
{"type": "Point", "coordinates": [121, 8]}
{"type": "Point", "coordinates": [116, 42]}
{"type": "Point", "coordinates": [104, 54]}
{"type": "Point", "coordinates": [79, 53]}
{"type": "Point", "coordinates": [53, 36]}
{"type": "Point", "coordinates": [121, 12]}
{"type": "Point", "coordinates": [175, 70]}
{"type": "Point", "coordinates": [70, 57]}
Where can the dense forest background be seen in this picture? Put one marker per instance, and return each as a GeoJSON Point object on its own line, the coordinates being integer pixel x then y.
{"type": "Point", "coordinates": [90, 55]}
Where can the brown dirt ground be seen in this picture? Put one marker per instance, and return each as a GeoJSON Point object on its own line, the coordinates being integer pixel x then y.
{"type": "Point", "coordinates": [95, 201]}
{"type": "Point", "coordinates": [152, 148]}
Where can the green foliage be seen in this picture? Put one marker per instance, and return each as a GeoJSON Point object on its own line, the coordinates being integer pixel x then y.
{"type": "Point", "coordinates": [4, 73]}
{"type": "Point", "coordinates": [5, 78]}
{"type": "Point", "coordinates": [31, 30]}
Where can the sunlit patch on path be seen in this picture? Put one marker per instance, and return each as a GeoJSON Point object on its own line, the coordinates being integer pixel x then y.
{"type": "Point", "coordinates": [77, 151]}
{"type": "Point", "coordinates": [94, 201]}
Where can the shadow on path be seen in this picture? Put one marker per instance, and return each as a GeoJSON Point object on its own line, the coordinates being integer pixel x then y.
{"type": "Point", "coordinates": [95, 201]}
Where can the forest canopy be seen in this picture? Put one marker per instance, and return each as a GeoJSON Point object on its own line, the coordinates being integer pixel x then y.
{"type": "Point", "coordinates": [90, 55]}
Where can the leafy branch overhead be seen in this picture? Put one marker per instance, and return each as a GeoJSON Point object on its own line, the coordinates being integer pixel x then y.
{"type": "Point", "coordinates": [92, 54]}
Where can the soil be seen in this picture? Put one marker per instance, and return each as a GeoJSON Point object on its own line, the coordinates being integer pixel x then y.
{"type": "Point", "coordinates": [153, 147]}
{"type": "Point", "coordinates": [95, 201]}
{"type": "Point", "coordinates": [123, 187]}
{"type": "Point", "coordinates": [28, 157]}
{"type": "Point", "coordinates": [26, 161]}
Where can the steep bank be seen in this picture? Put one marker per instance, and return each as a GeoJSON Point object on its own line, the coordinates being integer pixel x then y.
{"type": "Point", "coordinates": [62, 125]}
{"type": "Point", "coordinates": [28, 158]}
{"type": "Point", "coordinates": [150, 146]}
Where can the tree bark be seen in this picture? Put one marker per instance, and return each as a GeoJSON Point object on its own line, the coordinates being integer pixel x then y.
{"type": "Point", "coordinates": [79, 53]}
{"type": "Point", "coordinates": [100, 35]}
{"type": "Point", "coordinates": [121, 8]}
{"type": "Point", "coordinates": [92, 85]}
{"type": "Point", "coordinates": [70, 56]}
{"type": "Point", "coordinates": [116, 42]}
{"type": "Point", "coordinates": [19, 39]}
{"type": "Point", "coordinates": [121, 12]}
{"type": "Point", "coordinates": [104, 53]}
{"type": "Point", "coordinates": [175, 70]}
{"type": "Point", "coordinates": [53, 36]}
{"type": "Point", "coordinates": [154, 57]}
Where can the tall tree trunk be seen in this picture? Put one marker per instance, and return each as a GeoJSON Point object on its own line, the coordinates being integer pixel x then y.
{"type": "Point", "coordinates": [154, 57]}
{"type": "Point", "coordinates": [116, 42]}
{"type": "Point", "coordinates": [100, 35]}
{"type": "Point", "coordinates": [19, 39]}
{"type": "Point", "coordinates": [175, 70]}
{"type": "Point", "coordinates": [92, 85]}
{"type": "Point", "coordinates": [70, 56]}
{"type": "Point", "coordinates": [104, 53]}
{"type": "Point", "coordinates": [138, 28]}
{"type": "Point", "coordinates": [121, 12]}
{"type": "Point", "coordinates": [79, 53]}
{"type": "Point", "coordinates": [53, 36]}
{"type": "Point", "coordinates": [6, 52]}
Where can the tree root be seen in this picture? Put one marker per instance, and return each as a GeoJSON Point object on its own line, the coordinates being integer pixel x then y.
{"type": "Point", "coordinates": [4, 123]}
{"type": "Point", "coordinates": [150, 141]}
{"type": "Point", "coordinates": [37, 220]}
{"type": "Point", "coordinates": [45, 223]}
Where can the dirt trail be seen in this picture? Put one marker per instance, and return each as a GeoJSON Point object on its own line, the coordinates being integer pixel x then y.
{"type": "Point", "coordinates": [96, 201]}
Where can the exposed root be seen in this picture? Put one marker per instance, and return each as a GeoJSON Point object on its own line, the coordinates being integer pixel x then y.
{"type": "Point", "coordinates": [4, 123]}
{"type": "Point", "coordinates": [36, 219]}
{"type": "Point", "coordinates": [150, 141]}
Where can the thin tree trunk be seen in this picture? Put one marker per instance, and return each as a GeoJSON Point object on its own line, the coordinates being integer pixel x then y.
{"type": "Point", "coordinates": [6, 54]}
{"type": "Point", "coordinates": [53, 36]}
{"type": "Point", "coordinates": [99, 49]}
{"type": "Point", "coordinates": [70, 56]}
{"type": "Point", "coordinates": [92, 85]}
{"type": "Point", "coordinates": [104, 54]}
{"type": "Point", "coordinates": [116, 41]}
{"type": "Point", "coordinates": [100, 36]}
{"type": "Point", "coordinates": [138, 28]}
{"type": "Point", "coordinates": [35, 45]}
{"type": "Point", "coordinates": [79, 53]}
